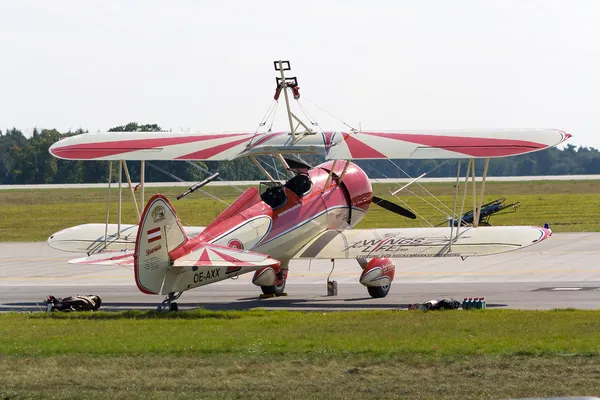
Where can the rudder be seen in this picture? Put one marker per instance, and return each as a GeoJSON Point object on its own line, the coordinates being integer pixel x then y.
{"type": "Point", "coordinates": [160, 232]}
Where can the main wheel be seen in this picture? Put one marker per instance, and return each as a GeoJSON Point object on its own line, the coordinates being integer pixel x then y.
{"type": "Point", "coordinates": [378, 292]}
{"type": "Point", "coordinates": [277, 290]}
{"type": "Point", "coordinates": [173, 307]}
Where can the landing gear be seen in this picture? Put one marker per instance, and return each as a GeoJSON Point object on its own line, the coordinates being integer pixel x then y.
{"type": "Point", "coordinates": [170, 302]}
{"type": "Point", "coordinates": [378, 292]}
{"type": "Point", "coordinates": [278, 289]}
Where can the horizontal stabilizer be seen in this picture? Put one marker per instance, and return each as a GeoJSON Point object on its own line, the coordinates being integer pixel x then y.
{"type": "Point", "coordinates": [119, 258]}
{"type": "Point", "coordinates": [212, 255]}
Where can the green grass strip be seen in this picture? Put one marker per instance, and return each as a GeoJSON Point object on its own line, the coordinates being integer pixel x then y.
{"type": "Point", "coordinates": [270, 333]}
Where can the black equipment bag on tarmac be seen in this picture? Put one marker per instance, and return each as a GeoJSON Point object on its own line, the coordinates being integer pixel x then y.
{"type": "Point", "coordinates": [74, 303]}
{"type": "Point", "coordinates": [444, 304]}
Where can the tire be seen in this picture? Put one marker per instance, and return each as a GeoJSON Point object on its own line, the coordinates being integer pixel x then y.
{"type": "Point", "coordinates": [378, 292]}
{"type": "Point", "coordinates": [173, 307]}
{"type": "Point", "coordinates": [277, 290]}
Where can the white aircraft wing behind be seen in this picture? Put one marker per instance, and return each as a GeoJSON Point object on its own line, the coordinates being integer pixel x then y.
{"type": "Point", "coordinates": [421, 242]}
{"type": "Point", "coordinates": [116, 258]}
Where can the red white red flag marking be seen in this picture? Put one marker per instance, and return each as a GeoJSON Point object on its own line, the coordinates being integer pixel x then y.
{"type": "Point", "coordinates": [154, 235]}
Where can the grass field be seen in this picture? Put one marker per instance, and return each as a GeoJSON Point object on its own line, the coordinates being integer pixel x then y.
{"type": "Point", "coordinates": [488, 354]}
{"type": "Point", "coordinates": [568, 206]}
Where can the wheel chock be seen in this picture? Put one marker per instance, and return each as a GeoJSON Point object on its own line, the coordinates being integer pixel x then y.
{"type": "Point", "coordinates": [268, 296]}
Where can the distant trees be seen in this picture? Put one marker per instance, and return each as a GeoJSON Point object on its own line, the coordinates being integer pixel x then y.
{"type": "Point", "coordinates": [26, 160]}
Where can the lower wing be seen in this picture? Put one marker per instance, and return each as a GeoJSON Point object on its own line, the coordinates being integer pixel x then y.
{"type": "Point", "coordinates": [421, 242]}
{"type": "Point", "coordinates": [118, 258]}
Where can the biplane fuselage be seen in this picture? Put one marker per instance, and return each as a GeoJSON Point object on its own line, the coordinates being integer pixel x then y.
{"type": "Point", "coordinates": [296, 212]}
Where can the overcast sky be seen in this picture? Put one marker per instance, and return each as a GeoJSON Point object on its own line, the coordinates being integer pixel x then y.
{"type": "Point", "coordinates": [207, 65]}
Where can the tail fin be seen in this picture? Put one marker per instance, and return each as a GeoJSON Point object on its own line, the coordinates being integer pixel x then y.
{"type": "Point", "coordinates": [160, 232]}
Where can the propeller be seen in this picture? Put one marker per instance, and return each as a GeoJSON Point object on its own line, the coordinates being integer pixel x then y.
{"type": "Point", "coordinates": [395, 208]}
{"type": "Point", "coordinates": [388, 205]}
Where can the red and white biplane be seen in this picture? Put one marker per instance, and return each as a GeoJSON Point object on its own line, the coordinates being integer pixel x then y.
{"type": "Point", "coordinates": [310, 216]}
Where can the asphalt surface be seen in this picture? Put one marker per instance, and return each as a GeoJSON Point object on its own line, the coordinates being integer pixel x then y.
{"type": "Point", "coordinates": [561, 272]}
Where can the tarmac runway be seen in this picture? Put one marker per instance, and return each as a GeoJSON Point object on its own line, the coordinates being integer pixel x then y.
{"type": "Point", "coordinates": [561, 272]}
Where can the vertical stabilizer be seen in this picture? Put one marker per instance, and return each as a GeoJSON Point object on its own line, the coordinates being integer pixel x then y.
{"type": "Point", "coordinates": [160, 232]}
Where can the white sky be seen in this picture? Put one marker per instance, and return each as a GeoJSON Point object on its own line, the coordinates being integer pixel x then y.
{"type": "Point", "coordinates": [207, 65]}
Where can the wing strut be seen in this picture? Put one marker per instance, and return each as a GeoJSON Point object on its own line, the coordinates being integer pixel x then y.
{"type": "Point", "coordinates": [108, 203]}
{"type": "Point", "coordinates": [137, 209]}
{"type": "Point", "coordinates": [264, 171]}
{"type": "Point", "coordinates": [458, 219]}
{"type": "Point", "coordinates": [485, 171]}
{"type": "Point", "coordinates": [454, 208]}
{"type": "Point", "coordinates": [142, 183]}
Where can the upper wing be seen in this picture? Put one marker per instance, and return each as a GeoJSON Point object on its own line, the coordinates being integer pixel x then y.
{"type": "Point", "coordinates": [332, 145]}
{"type": "Point", "coordinates": [421, 242]}
{"type": "Point", "coordinates": [444, 144]}
{"type": "Point", "coordinates": [212, 255]}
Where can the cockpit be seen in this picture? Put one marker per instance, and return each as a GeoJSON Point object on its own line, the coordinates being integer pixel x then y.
{"type": "Point", "coordinates": [300, 184]}
{"type": "Point", "coordinates": [275, 194]}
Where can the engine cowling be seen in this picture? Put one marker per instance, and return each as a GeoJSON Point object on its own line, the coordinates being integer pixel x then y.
{"type": "Point", "coordinates": [378, 272]}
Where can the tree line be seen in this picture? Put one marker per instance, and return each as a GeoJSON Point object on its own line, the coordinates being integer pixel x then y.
{"type": "Point", "coordinates": [26, 160]}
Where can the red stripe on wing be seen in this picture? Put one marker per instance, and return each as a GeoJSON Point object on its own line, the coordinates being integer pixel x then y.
{"type": "Point", "coordinates": [212, 151]}
{"type": "Point", "coordinates": [359, 149]}
{"type": "Point", "coordinates": [472, 146]}
{"type": "Point", "coordinates": [104, 149]}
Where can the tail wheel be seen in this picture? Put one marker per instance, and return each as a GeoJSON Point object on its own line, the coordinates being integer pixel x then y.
{"type": "Point", "coordinates": [278, 289]}
{"type": "Point", "coordinates": [378, 292]}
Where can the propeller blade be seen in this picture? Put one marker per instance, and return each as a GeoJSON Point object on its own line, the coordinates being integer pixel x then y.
{"type": "Point", "coordinates": [395, 208]}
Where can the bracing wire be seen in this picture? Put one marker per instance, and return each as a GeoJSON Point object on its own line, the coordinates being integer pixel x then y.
{"type": "Point", "coordinates": [269, 166]}
{"type": "Point", "coordinates": [330, 114]}
{"type": "Point", "coordinates": [422, 187]}
{"type": "Point", "coordinates": [268, 113]}
{"type": "Point", "coordinates": [424, 199]}
{"type": "Point", "coordinates": [201, 168]}
{"type": "Point", "coordinates": [273, 116]}
{"type": "Point", "coordinates": [400, 199]}
{"type": "Point", "coordinates": [312, 121]}
{"type": "Point", "coordinates": [181, 180]}
{"type": "Point", "coordinates": [275, 168]}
